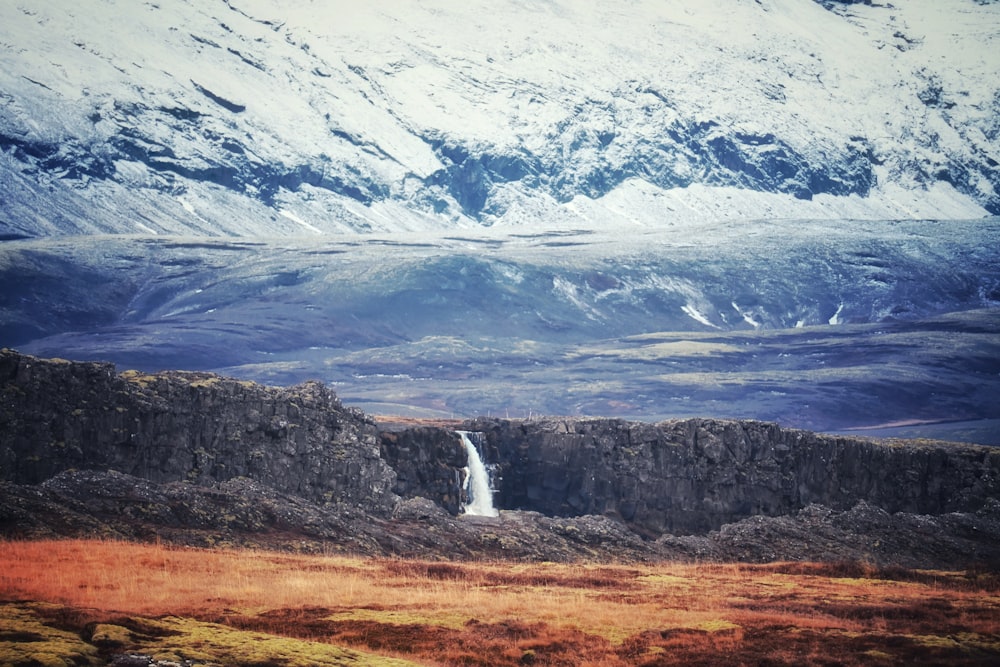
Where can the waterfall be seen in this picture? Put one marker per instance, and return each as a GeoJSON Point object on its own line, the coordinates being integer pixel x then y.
{"type": "Point", "coordinates": [477, 482]}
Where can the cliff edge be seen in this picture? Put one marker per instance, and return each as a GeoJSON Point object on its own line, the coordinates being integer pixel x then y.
{"type": "Point", "coordinates": [196, 458]}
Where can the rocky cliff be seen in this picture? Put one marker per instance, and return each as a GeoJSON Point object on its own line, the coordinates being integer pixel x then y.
{"type": "Point", "coordinates": [429, 462]}
{"type": "Point", "coordinates": [695, 475]}
{"type": "Point", "coordinates": [201, 459]}
{"type": "Point", "coordinates": [195, 427]}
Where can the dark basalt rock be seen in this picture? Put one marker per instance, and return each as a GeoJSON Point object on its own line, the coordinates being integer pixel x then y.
{"type": "Point", "coordinates": [195, 458]}
{"type": "Point", "coordinates": [695, 475]}
{"type": "Point", "coordinates": [428, 463]}
{"type": "Point", "coordinates": [241, 512]}
{"type": "Point", "coordinates": [198, 427]}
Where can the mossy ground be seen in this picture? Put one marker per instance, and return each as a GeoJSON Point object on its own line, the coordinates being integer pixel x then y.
{"type": "Point", "coordinates": [31, 638]}
{"type": "Point", "coordinates": [26, 638]}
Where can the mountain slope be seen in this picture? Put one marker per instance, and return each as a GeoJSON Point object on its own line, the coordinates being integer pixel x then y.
{"type": "Point", "coordinates": [247, 117]}
{"type": "Point", "coordinates": [807, 323]}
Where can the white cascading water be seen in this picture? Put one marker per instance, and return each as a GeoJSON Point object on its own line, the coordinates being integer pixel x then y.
{"type": "Point", "coordinates": [477, 483]}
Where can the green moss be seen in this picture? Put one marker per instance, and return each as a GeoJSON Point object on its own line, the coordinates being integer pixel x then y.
{"type": "Point", "coordinates": [45, 659]}
{"type": "Point", "coordinates": [166, 656]}
{"type": "Point", "coordinates": [878, 655]}
{"type": "Point", "coordinates": [136, 377]}
{"type": "Point", "coordinates": [401, 617]}
{"type": "Point", "coordinates": [26, 640]}
{"type": "Point", "coordinates": [717, 625]}
{"type": "Point", "coordinates": [989, 642]}
{"type": "Point", "coordinates": [219, 644]}
{"type": "Point", "coordinates": [106, 634]}
{"type": "Point", "coordinates": [935, 641]}
{"type": "Point", "coordinates": [963, 641]}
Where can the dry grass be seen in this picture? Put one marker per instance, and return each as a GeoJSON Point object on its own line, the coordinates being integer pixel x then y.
{"type": "Point", "coordinates": [516, 613]}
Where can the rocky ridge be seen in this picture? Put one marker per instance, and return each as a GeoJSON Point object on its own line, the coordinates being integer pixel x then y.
{"type": "Point", "coordinates": [201, 459]}
{"type": "Point", "coordinates": [695, 475]}
{"type": "Point", "coordinates": [195, 427]}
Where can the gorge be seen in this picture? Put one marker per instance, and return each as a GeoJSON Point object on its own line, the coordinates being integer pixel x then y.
{"type": "Point", "coordinates": [199, 458]}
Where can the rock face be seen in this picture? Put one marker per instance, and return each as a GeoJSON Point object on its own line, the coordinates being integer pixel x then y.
{"type": "Point", "coordinates": [197, 427]}
{"type": "Point", "coordinates": [200, 459]}
{"type": "Point", "coordinates": [428, 462]}
{"type": "Point", "coordinates": [692, 476]}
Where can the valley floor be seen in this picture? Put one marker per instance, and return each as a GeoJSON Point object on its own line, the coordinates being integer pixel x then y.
{"type": "Point", "coordinates": [87, 602]}
{"type": "Point", "coordinates": [810, 324]}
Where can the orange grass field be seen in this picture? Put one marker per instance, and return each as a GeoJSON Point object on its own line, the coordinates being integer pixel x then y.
{"type": "Point", "coordinates": [79, 602]}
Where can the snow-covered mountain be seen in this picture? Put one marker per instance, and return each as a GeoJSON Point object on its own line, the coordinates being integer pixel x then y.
{"type": "Point", "coordinates": [263, 117]}
{"type": "Point", "coordinates": [644, 208]}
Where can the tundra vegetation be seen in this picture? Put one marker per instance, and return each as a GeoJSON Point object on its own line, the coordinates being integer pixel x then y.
{"type": "Point", "coordinates": [84, 602]}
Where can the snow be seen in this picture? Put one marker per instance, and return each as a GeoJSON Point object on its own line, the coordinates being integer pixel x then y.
{"type": "Point", "coordinates": [747, 316]}
{"type": "Point", "coordinates": [187, 206]}
{"type": "Point", "coordinates": [299, 221]}
{"type": "Point", "coordinates": [368, 93]}
{"type": "Point", "coordinates": [693, 313]}
{"type": "Point", "coordinates": [568, 291]}
{"type": "Point", "coordinates": [835, 318]}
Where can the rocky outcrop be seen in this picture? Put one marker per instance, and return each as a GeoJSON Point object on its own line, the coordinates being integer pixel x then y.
{"type": "Point", "coordinates": [695, 475]}
{"type": "Point", "coordinates": [861, 533]}
{"type": "Point", "coordinates": [196, 427]}
{"type": "Point", "coordinates": [195, 458]}
{"type": "Point", "coordinates": [244, 513]}
{"type": "Point", "coordinates": [428, 462]}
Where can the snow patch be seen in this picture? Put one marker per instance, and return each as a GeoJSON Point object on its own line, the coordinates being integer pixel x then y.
{"type": "Point", "coordinates": [693, 313]}
{"type": "Point", "coordinates": [747, 316]}
{"type": "Point", "coordinates": [835, 319]}
{"type": "Point", "coordinates": [569, 291]}
{"type": "Point", "coordinates": [299, 221]}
